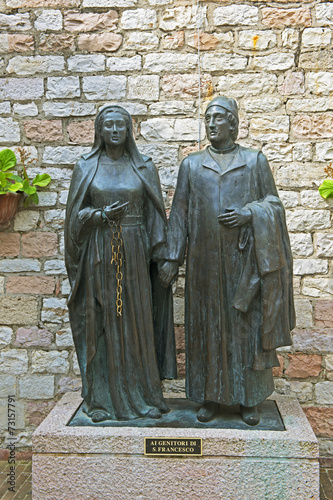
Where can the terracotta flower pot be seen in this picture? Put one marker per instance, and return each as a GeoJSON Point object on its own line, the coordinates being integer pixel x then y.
{"type": "Point", "coordinates": [8, 207]}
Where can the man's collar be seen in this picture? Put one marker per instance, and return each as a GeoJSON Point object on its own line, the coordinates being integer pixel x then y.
{"type": "Point", "coordinates": [236, 161]}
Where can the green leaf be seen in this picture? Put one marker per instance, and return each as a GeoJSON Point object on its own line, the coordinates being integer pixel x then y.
{"type": "Point", "coordinates": [15, 187]}
{"type": "Point", "coordinates": [7, 159]}
{"type": "Point", "coordinates": [326, 189]}
{"type": "Point", "coordinates": [17, 178]}
{"type": "Point", "coordinates": [29, 190]}
{"type": "Point", "coordinates": [41, 180]}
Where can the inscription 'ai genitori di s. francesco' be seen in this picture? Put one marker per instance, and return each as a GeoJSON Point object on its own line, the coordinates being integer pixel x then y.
{"type": "Point", "coordinates": [173, 446]}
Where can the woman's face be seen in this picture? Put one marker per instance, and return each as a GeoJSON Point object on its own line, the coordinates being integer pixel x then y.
{"type": "Point", "coordinates": [114, 129]}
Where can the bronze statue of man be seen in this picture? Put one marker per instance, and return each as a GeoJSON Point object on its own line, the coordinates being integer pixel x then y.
{"type": "Point", "coordinates": [238, 294]}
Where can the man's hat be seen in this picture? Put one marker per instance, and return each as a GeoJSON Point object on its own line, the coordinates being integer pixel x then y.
{"type": "Point", "coordinates": [226, 103]}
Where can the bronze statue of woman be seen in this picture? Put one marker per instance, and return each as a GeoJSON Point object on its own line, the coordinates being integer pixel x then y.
{"type": "Point", "coordinates": [121, 318]}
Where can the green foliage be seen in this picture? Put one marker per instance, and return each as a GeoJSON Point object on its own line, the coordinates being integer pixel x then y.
{"type": "Point", "coordinates": [13, 183]}
{"type": "Point", "coordinates": [326, 189]}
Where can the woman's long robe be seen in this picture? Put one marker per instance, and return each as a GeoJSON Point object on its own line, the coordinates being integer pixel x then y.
{"type": "Point", "coordinates": [119, 365]}
{"type": "Point", "coordinates": [238, 290]}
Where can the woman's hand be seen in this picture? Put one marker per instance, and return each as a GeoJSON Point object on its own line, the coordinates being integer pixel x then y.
{"type": "Point", "coordinates": [115, 211]}
{"type": "Point", "coordinates": [168, 272]}
{"type": "Point", "coordinates": [235, 218]}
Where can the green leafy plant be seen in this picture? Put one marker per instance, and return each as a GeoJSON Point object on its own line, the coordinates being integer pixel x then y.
{"type": "Point", "coordinates": [326, 188]}
{"type": "Point", "coordinates": [13, 183]}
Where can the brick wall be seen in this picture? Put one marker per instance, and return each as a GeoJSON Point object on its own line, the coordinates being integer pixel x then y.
{"type": "Point", "coordinates": [61, 60]}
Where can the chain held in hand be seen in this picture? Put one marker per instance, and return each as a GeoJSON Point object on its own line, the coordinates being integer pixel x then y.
{"type": "Point", "coordinates": [117, 259]}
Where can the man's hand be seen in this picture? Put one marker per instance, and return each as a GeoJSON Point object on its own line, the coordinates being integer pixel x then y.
{"type": "Point", "coordinates": [235, 218]}
{"type": "Point", "coordinates": [168, 272]}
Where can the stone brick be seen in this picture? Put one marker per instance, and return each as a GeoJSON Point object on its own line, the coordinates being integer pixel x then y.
{"type": "Point", "coordinates": [33, 337]}
{"type": "Point", "coordinates": [247, 84]}
{"type": "Point", "coordinates": [49, 362]}
{"type": "Point", "coordinates": [142, 41]}
{"type": "Point", "coordinates": [18, 310]}
{"type": "Point", "coordinates": [25, 109]}
{"type": "Point", "coordinates": [47, 198]}
{"type": "Point", "coordinates": [9, 130]}
{"type": "Point", "coordinates": [37, 387]}
{"type": "Point", "coordinates": [308, 220]}
{"type": "Point", "coordinates": [19, 265]}
{"type": "Point", "coordinates": [104, 87]}
{"type": "Point", "coordinates": [257, 40]}
{"type": "Point", "coordinates": [304, 319]}
{"type": "Point", "coordinates": [273, 62]}
{"type": "Point", "coordinates": [324, 152]}
{"type": "Point", "coordinates": [30, 65]}
{"type": "Point", "coordinates": [63, 87]}
{"type": "Point", "coordinates": [316, 38]}
{"type": "Point", "coordinates": [182, 17]}
{"type": "Point", "coordinates": [75, 363]}
{"type": "Point", "coordinates": [317, 126]}
{"type": "Point", "coordinates": [19, 416]}
{"type": "Point", "coordinates": [64, 338]}
{"type": "Point", "coordinates": [39, 285]}
{"type": "Point", "coordinates": [303, 365]}
{"type": "Point", "coordinates": [278, 370]}
{"type": "Point", "coordinates": [299, 175]}
{"type": "Point", "coordinates": [289, 198]}
{"type": "Point", "coordinates": [49, 20]}
{"type": "Point", "coordinates": [5, 108]}
{"type": "Point", "coordinates": [43, 130]}
{"type": "Point", "coordinates": [56, 42]}
{"type": "Point", "coordinates": [54, 310]}
{"type": "Point", "coordinates": [180, 337]}
{"type": "Point", "coordinates": [167, 61]}
{"type": "Point", "coordinates": [187, 85]}
{"type": "Point", "coordinates": [14, 361]}
{"type": "Point", "coordinates": [324, 392]}
{"type": "Point", "coordinates": [171, 130]}
{"type": "Point", "coordinates": [81, 21]}
{"type": "Point", "coordinates": [162, 155]}
{"type": "Point", "coordinates": [66, 384]}
{"type": "Point", "coordinates": [21, 89]}
{"type": "Point", "coordinates": [39, 244]}
{"type": "Point", "coordinates": [303, 391]}
{"type": "Point", "coordinates": [145, 87]}
{"type": "Point", "coordinates": [325, 244]}
{"type": "Point", "coordinates": [302, 152]}
{"type": "Point", "coordinates": [86, 63]}
{"type": "Point", "coordinates": [310, 266]}
{"type": "Point", "coordinates": [7, 386]}
{"type": "Point", "coordinates": [55, 219]}
{"type": "Point", "coordinates": [63, 109]}
{"type": "Point", "coordinates": [140, 19]}
{"type": "Point", "coordinates": [181, 364]}
{"type": "Point", "coordinates": [26, 220]}
{"type": "Point", "coordinates": [316, 59]}
{"type": "Point", "coordinates": [278, 151]}
{"type": "Point", "coordinates": [134, 108]}
{"type": "Point", "coordinates": [324, 313]}
{"type": "Point", "coordinates": [301, 244]}
{"type": "Point", "coordinates": [222, 62]}
{"type": "Point", "coordinates": [276, 18]}
{"type": "Point", "coordinates": [318, 341]}
{"type": "Point", "coordinates": [174, 41]}
{"type": "Point", "coordinates": [124, 63]}
{"type": "Point", "coordinates": [290, 39]}
{"type": "Point", "coordinates": [178, 311]}
{"type": "Point", "coordinates": [234, 15]}
{"type": "Point", "coordinates": [269, 128]}
{"type": "Point", "coordinates": [324, 14]}
{"type": "Point", "coordinates": [317, 287]}
{"type": "Point", "coordinates": [109, 3]}
{"type": "Point", "coordinates": [20, 43]}
{"type": "Point", "coordinates": [63, 155]}
{"type": "Point", "coordinates": [320, 82]}
{"type": "Point", "coordinates": [24, 4]}
{"type": "Point", "coordinates": [37, 411]}
{"type": "Point", "coordinates": [81, 132]}
{"type": "Point", "coordinates": [9, 244]}
{"type": "Point", "coordinates": [207, 41]}
{"type": "Point", "coordinates": [15, 22]}
{"type": "Point", "coordinates": [103, 42]}
{"type": "Point", "coordinates": [321, 420]}
{"type": "Point", "coordinates": [55, 266]}
{"type": "Point", "coordinates": [172, 108]}
{"type": "Point", "coordinates": [6, 334]}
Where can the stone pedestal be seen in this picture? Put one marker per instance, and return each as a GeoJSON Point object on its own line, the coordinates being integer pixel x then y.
{"type": "Point", "coordinates": [108, 463]}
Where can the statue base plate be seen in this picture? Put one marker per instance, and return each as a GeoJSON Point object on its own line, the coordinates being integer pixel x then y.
{"type": "Point", "coordinates": [108, 462]}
